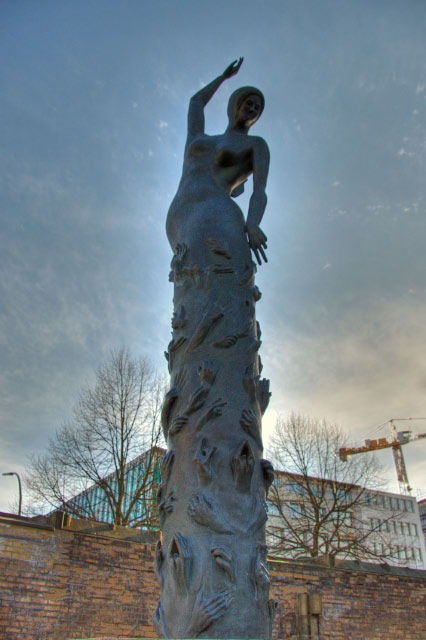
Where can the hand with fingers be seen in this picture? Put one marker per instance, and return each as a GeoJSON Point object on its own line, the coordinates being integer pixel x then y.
{"type": "Point", "coordinates": [207, 611]}
{"type": "Point", "coordinates": [257, 242]}
{"type": "Point", "coordinates": [232, 69]}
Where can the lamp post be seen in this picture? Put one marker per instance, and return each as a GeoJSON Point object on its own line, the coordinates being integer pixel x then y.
{"type": "Point", "coordinates": [13, 473]}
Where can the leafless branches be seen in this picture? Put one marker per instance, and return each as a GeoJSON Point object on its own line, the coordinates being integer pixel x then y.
{"type": "Point", "coordinates": [115, 421]}
{"type": "Point", "coordinates": [317, 504]}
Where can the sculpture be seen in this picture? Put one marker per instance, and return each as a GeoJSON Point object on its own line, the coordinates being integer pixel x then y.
{"type": "Point", "coordinates": [214, 481]}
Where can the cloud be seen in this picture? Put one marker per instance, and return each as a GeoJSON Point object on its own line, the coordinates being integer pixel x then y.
{"type": "Point", "coordinates": [356, 366]}
{"type": "Point", "coordinates": [404, 152]}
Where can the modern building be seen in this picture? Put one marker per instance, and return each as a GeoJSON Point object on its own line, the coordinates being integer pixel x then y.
{"type": "Point", "coordinates": [390, 522]}
{"type": "Point", "coordinates": [143, 470]}
{"type": "Point", "coordinates": [393, 520]}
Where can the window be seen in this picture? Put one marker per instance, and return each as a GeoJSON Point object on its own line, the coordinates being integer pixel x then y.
{"type": "Point", "coordinates": [343, 495]}
{"type": "Point", "coordinates": [380, 500]}
{"type": "Point", "coordinates": [295, 510]}
{"type": "Point", "coordinates": [294, 487]}
{"type": "Point", "coordinates": [277, 481]}
{"type": "Point", "coordinates": [316, 490]}
{"type": "Point", "coordinates": [411, 506]}
{"type": "Point", "coordinates": [413, 529]}
{"type": "Point", "coordinates": [374, 523]}
{"type": "Point", "coordinates": [272, 508]}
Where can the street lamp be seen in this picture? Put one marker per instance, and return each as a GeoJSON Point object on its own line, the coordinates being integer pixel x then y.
{"type": "Point", "coordinates": [13, 473]}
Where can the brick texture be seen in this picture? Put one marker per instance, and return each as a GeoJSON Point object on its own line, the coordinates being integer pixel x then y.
{"type": "Point", "coordinates": [70, 583]}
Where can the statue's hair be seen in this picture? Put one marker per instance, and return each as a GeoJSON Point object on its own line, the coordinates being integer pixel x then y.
{"type": "Point", "coordinates": [238, 97]}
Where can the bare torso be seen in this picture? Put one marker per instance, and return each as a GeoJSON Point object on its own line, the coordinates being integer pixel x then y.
{"type": "Point", "coordinates": [213, 167]}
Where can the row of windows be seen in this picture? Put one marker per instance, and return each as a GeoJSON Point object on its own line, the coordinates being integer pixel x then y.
{"type": "Point", "coordinates": [374, 499]}
{"type": "Point", "coordinates": [398, 552]}
{"type": "Point", "coordinates": [394, 526]}
{"type": "Point", "coordinates": [297, 510]}
{"type": "Point", "coordinates": [388, 502]}
{"type": "Point", "coordinates": [317, 490]}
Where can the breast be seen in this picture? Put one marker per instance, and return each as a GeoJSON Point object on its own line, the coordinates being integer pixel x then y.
{"type": "Point", "coordinates": [228, 158]}
{"type": "Point", "coordinates": [200, 147]}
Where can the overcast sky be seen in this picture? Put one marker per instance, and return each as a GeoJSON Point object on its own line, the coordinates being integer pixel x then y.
{"type": "Point", "coordinates": [92, 119]}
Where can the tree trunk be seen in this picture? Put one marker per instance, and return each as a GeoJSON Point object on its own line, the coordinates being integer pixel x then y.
{"type": "Point", "coordinates": [211, 563]}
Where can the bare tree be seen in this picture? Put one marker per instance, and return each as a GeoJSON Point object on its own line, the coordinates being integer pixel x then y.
{"type": "Point", "coordinates": [104, 463]}
{"type": "Point", "coordinates": [317, 503]}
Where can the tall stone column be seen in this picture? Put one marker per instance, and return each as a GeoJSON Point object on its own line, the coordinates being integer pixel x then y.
{"type": "Point", "coordinates": [211, 561]}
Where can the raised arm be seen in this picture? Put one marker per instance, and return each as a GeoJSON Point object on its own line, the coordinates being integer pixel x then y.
{"type": "Point", "coordinates": [257, 239]}
{"type": "Point", "coordinates": [202, 97]}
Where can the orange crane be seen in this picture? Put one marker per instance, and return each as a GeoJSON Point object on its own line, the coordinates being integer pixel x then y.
{"type": "Point", "coordinates": [398, 438]}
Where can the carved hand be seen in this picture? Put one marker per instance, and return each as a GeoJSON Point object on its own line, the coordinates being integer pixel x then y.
{"type": "Point", "coordinates": [177, 425]}
{"type": "Point", "coordinates": [242, 465]}
{"type": "Point", "coordinates": [180, 558]}
{"type": "Point", "coordinates": [214, 410]}
{"type": "Point", "coordinates": [257, 242]}
{"type": "Point", "coordinates": [202, 461]}
{"type": "Point", "coordinates": [197, 398]}
{"type": "Point", "coordinates": [263, 394]}
{"type": "Point", "coordinates": [232, 69]}
{"type": "Point", "coordinates": [206, 513]}
{"type": "Point", "coordinates": [207, 611]}
{"type": "Point", "coordinates": [224, 560]}
{"type": "Point", "coordinates": [207, 372]}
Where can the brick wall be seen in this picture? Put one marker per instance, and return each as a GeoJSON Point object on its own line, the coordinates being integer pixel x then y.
{"type": "Point", "coordinates": [63, 580]}
{"type": "Point", "coordinates": [350, 602]}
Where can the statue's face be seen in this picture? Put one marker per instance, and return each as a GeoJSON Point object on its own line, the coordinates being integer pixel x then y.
{"type": "Point", "coordinates": [249, 110]}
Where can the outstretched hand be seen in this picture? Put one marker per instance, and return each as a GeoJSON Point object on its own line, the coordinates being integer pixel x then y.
{"type": "Point", "coordinates": [233, 69]}
{"type": "Point", "coordinates": [257, 243]}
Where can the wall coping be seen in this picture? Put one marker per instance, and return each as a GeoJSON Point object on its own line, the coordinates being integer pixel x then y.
{"type": "Point", "coordinates": [323, 565]}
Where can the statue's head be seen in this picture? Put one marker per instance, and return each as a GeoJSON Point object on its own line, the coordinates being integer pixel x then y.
{"type": "Point", "coordinates": [245, 106]}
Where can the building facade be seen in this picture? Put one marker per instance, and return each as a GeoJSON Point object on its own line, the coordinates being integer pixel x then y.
{"type": "Point", "coordinates": [141, 475]}
{"type": "Point", "coordinates": [393, 522]}
{"type": "Point", "coordinates": [388, 525]}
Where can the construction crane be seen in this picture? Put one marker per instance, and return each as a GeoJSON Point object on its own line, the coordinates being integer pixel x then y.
{"type": "Point", "coordinates": [398, 438]}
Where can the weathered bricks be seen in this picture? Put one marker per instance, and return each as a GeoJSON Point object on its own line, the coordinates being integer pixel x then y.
{"type": "Point", "coordinates": [64, 583]}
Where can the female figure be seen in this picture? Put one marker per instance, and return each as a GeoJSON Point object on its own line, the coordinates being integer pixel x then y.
{"type": "Point", "coordinates": [211, 562]}
{"type": "Point", "coordinates": [216, 167]}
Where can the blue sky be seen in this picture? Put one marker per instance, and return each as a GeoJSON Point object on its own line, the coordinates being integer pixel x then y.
{"type": "Point", "coordinates": [93, 112]}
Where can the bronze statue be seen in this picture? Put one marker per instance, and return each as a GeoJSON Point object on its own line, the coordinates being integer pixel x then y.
{"type": "Point", "coordinates": [211, 562]}
{"type": "Point", "coordinates": [216, 167]}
